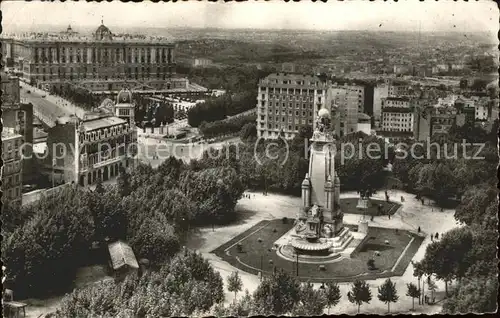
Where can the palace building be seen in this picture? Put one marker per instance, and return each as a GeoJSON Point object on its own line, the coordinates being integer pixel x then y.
{"type": "Point", "coordinates": [70, 56]}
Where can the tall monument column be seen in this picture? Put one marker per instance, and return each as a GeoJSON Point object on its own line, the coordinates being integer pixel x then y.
{"type": "Point", "coordinates": [321, 186]}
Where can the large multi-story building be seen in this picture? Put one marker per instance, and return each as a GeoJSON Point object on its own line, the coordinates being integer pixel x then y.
{"type": "Point", "coordinates": [69, 56]}
{"type": "Point", "coordinates": [346, 102]}
{"type": "Point", "coordinates": [379, 92]}
{"type": "Point", "coordinates": [430, 121]}
{"type": "Point", "coordinates": [398, 102]}
{"type": "Point", "coordinates": [397, 119]}
{"type": "Point", "coordinates": [397, 89]}
{"type": "Point", "coordinates": [287, 101]}
{"type": "Point", "coordinates": [12, 165]}
{"type": "Point", "coordinates": [19, 117]}
{"type": "Point", "coordinates": [106, 142]}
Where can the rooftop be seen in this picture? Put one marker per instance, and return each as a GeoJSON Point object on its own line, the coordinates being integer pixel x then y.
{"type": "Point", "coordinates": [9, 133]}
{"type": "Point", "coordinates": [396, 110]}
{"type": "Point", "coordinates": [122, 254]}
{"type": "Point", "coordinates": [98, 123]}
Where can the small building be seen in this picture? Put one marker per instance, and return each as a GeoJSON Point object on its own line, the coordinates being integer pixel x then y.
{"type": "Point", "coordinates": [364, 123]}
{"type": "Point", "coordinates": [122, 259]}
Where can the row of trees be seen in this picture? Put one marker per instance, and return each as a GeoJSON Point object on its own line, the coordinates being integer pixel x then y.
{"type": "Point", "coordinates": [228, 127]}
{"type": "Point", "coordinates": [79, 96]}
{"type": "Point", "coordinates": [186, 286]}
{"type": "Point", "coordinates": [280, 166]}
{"type": "Point", "coordinates": [150, 208]}
{"type": "Point", "coordinates": [467, 254]}
{"type": "Point", "coordinates": [283, 294]}
{"type": "Point", "coordinates": [159, 113]}
{"type": "Point", "coordinates": [231, 78]}
{"type": "Point", "coordinates": [218, 108]}
{"type": "Point", "coordinates": [444, 167]}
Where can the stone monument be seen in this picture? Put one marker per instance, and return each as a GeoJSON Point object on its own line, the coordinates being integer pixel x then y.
{"type": "Point", "coordinates": [319, 229]}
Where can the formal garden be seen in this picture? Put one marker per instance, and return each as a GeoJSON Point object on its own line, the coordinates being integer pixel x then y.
{"type": "Point", "coordinates": [380, 254]}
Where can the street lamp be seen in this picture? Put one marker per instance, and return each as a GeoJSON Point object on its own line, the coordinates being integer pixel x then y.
{"type": "Point", "coordinates": [297, 262]}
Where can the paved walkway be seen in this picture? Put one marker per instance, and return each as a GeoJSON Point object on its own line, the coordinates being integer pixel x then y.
{"type": "Point", "coordinates": [259, 207]}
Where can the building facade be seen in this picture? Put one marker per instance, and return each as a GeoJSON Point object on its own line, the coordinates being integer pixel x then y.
{"type": "Point", "coordinates": [18, 117]}
{"type": "Point", "coordinates": [12, 166]}
{"type": "Point", "coordinates": [102, 56]}
{"type": "Point", "coordinates": [397, 102]}
{"type": "Point", "coordinates": [97, 147]}
{"type": "Point", "coordinates": [286, 102]}
{"type": "Point", "coordinates": [344, 102]}
{"type": "Point", "coordinates": [83, 151]}
{"type": "Point", "coordinates": [397, 119]}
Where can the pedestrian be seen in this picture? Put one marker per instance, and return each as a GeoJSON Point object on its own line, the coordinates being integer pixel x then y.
{"type": "Point", "coordinates": [426, 298]}
{"type": "Point", "coordinates": [432, 237]}
{"type": "Point", "coordinates": [371, 218]}
{"type": "Point", "coordinates": [437, 235]}
{"type": "Point", "coordinates": [389, 215]}
{"type": "Point", "coordinates": [422, 201]}
{"type": "Point", "coordinates": [419, 229]}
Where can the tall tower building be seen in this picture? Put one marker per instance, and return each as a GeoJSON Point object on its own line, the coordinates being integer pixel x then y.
{"type": "Point", "coordinates": [124, 107]}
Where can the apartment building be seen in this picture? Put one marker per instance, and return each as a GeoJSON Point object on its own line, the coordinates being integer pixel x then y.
{"type": "Point", "coordinates": [397, 119]}
{"type": "Point", "coordinates": [288, 101]}
{"type": "Point", "coordinates": [12, 166]}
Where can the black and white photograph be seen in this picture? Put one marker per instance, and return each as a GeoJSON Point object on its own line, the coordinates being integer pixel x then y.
{"type": "Point", "coordinates": [249, 158]}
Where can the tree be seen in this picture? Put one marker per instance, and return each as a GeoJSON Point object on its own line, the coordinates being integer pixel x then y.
{"type": "Point", "coordinates": [360, 293]}
{"type": "Point", "coordinates": [123, 183]}
{"type": "Point", "coordinates": [234, 283]}
{"type": "Point", "coordinates": [155, 240]}
{"type": "Point", "coordinates": [311, 302]}
{"type": "Point", "coordinates": [99, 188]}
{"type": "Point", "coordinates": [387, 293]}
{"type": "Point", "coordinates": [332, 294]}
{"type": "Point", "coordinates": [412, 292]}
{"type": "Point", "coordinates": [431, 285]}
{"type": "Point", "coordinates": [473, 295]}
{"type": "Point", "coordinates": [248, 132]}
{"type": "Point", "coordinates": [276, 294]}
{"type": "Point", "coordinates": [418, 271]}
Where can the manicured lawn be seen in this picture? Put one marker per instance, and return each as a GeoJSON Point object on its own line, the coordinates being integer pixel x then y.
{"type": "Point", "coordinates": [256, 255]}
{"type": "Point", "coordinates": [348, 205]}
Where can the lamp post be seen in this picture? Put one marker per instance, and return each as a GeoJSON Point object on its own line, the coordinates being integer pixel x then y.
{"type": "Point", "coordinates": [261, 264]}
{"type": "Point", "coordinates": [297, 265]}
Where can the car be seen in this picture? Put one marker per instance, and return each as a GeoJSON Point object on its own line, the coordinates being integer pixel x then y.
{"type": "Point", "coordinates": [43, 96]}
{"type": "Point", "coordinates": [29, 92]}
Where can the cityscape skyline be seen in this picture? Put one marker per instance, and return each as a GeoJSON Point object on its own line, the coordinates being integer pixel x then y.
{"type": "Point", "coordinates": [336, 16]}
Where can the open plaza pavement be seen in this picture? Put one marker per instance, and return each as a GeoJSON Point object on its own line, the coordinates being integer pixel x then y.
{"type": "Point", "coordinates": [260, 207]}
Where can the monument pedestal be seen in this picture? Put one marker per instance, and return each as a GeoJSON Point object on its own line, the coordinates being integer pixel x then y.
{"type": "Point", "coordinates": [363, 227]}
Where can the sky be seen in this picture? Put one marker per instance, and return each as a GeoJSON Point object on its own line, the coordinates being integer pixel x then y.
{"type": "Point", "coordinates": [274, 14]}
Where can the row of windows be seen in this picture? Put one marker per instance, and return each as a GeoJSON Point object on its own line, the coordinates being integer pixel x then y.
{"type": "Point", "coordinates": [290, 127]}
{"type": "Point", "coordinates": [290, 113]}
{"type": "Point", "coordinates": [101, 55]}
{"type": "Point", "coordinates": [292, 97]}
{"type": "Point", "coordinates": [290, 105]}
{"type": "Point", "coordinates": [293, 82]}
{"type": "Point", "coordinates": [12, 180]}
{"type": "Point", "coordinates": [284, 90]}
{"type": "Point", "coordinates": [105, 156]}
{"type": "Point", "coordinates": [11, 167]}
{"type": "Point", "coordinates": [14, 193]}
{"type": "Point", "coordinates": [105, 133]}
